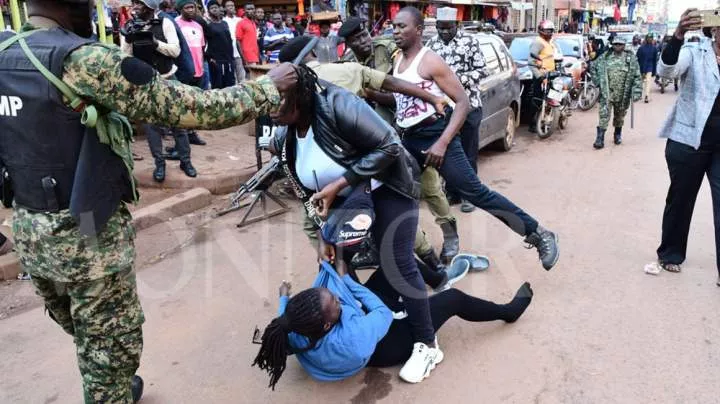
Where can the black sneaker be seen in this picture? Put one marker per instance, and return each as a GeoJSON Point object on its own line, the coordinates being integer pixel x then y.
{"type": "Point", "coordinates": [137, 388]}
{"type": "Point", "coordinates": [546, 243]}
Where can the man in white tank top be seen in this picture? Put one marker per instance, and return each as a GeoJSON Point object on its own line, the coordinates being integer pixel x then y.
{"type": "Point", "coordinates": [432, 140]}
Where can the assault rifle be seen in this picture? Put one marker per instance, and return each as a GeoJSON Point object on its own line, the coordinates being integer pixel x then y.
{"type": "Point", "coordinates": [256, 188]}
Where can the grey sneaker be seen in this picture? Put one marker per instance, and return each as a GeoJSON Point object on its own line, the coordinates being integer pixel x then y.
{"type": "Point", "coordinates": [456, 271]}
{"type": "Point", "coordinates": [546, 243]}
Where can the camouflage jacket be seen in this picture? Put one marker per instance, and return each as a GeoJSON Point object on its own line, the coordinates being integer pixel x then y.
{"type": "Point", "coordinates": [49, 244]}
{"type": "Point", "coordinates": [618, 78]}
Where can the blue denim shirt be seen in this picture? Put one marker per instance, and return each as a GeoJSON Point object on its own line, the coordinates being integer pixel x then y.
{"type": "Point", "coordinates": [697, 69]}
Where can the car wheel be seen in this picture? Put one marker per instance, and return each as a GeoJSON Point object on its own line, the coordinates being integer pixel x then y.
{"type": "Point", "coordinates": [509, 139]}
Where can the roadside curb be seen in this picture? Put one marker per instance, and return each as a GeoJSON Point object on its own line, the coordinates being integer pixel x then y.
{"type": "Point", "coordinates": [216, 184]}
{"type": "Point", "coordinates": [174, 206]}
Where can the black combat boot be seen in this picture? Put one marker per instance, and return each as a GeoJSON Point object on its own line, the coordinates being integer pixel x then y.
{"type": "Point", "coordinates": [617, 138]}
{"type": "Point", "coordinates": [137, 388]}
{"type": "Point", "coordinates": [195, 139]}
{"type": "Point", "coordinates": [600, 139]}
{"type": "Point", "coordinates": [159, 172]}
{"type": "Point", "coordinates": [451, 241]}
{"type": "Point", "coordinates": [188, 168]}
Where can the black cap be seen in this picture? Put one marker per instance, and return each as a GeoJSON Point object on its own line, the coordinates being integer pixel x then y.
{"type": "Point", "coordinates": [292, 49]}
{"type": "Point", "coordinates": [349, 27]}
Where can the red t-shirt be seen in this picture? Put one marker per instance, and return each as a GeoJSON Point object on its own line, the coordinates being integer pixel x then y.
{"type": "Point", "coordinates": [246, 34]}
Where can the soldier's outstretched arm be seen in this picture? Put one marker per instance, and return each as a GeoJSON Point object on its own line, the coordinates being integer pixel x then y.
{"type": "Point", "coordinates": [106, 77]}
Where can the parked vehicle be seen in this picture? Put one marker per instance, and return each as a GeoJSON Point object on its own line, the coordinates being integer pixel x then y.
{"type": "Point", "coordinates": [587, 93]}
{"type": "Point", "coordinates": [555, 108]}
{"type": "Point", "coordinates": [501, 91]}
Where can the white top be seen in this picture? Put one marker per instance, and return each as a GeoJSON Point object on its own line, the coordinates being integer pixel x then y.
{"type": "Point", "coordinates": [309, 156]}
{"type": "Point", "coordinates": [232, 24]}
{"type": "Point", "coordinates": [411, 110]}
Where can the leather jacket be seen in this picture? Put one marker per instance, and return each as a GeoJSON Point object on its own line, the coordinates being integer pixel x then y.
{"type": "Point", "coordinates": [354, 136]}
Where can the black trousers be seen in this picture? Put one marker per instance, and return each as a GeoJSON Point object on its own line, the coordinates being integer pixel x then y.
{"type": "Point", "coordinates": [154, 137]}
{"type": "Point", "coordinates": [687, 167]}
{"type": "Point", "coordinates": [222, 74]}
{"type": "Point", "coordinates": [397, 345]}
{"type": "Point", "coordinates": [470, 141]}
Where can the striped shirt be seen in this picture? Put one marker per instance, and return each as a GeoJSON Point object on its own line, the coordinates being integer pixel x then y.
{"type": "Point", "coordinates": [272, 35]}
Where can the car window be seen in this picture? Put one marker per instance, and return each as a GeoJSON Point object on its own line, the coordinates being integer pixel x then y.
{"type": "Point", "coordinates": [504, 62]}
{"type": "Point", "coordinates": [567, 46]}
{"type": "Point", "coordinates": [520, 48]}
{"type": "Point", "coordinates": [492, 62]}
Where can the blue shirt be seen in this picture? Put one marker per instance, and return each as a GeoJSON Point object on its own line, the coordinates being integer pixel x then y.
{"type": "Point", "coordinates": [347, 348]}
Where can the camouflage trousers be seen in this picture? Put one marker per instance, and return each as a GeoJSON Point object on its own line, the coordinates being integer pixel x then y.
{"type": "Point", "coordinates": [618, 113]}
{"type": "Point", "coordinates": [432, 194]}
{"type": "Point", "coordinates": [89, 290]}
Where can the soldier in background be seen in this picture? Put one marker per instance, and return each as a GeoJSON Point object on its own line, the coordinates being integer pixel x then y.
{"type": "Point", "coordinates": [76, 238]}
{"type": "Point", "coordinates": [617, 75]}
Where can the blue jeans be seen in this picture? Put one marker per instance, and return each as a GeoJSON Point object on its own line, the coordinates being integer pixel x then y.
{"type": "Point", "coordinates": [460, 177]}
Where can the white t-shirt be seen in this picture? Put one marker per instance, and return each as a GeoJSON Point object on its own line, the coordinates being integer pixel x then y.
{"type": "Point", "coordinates": [232, 24]}
{"type": "Point", "coordinates": [309, 156]}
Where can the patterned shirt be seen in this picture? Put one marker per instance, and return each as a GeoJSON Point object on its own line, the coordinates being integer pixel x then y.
{"type": "Point", "coordinates": [464, 57]}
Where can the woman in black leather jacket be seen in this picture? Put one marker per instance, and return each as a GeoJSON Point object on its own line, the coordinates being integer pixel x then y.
{"type": "Point", "coordinates": [333, 138]}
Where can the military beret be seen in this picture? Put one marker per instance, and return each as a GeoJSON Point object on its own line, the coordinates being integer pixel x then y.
{"type": "Point", "coordinates": [292, 49]}
{"type": "Point", "coordinates": [349, 27]}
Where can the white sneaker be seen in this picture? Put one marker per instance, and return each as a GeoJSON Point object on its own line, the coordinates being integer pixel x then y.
{"type": "Point", "coordinates": [421, 363]}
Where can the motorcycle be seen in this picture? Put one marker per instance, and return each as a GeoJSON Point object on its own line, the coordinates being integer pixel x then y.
{"type": "Point", "coordinates": [588, 92]}
{"type": "Point", "coordinates": [555, 104]}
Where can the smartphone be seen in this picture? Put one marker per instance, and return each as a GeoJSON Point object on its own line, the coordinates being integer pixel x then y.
{"type": "Point", "coordinates": [710, 18]}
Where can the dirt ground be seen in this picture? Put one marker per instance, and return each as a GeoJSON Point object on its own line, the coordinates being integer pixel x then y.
{"type": "Point", "coordinates": [599, 329]}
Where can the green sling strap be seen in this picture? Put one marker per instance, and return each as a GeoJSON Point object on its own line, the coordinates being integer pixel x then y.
{"type": "Point", "coordinates": [112, 129]}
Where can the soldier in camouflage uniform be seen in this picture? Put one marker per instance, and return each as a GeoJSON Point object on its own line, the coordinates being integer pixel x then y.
{"type": "Point", "coordinates": [86, 278]}
{"type": "Point", "coordinates": [617, 74]}
{"type": "Point", "coordinates": [379, 53]}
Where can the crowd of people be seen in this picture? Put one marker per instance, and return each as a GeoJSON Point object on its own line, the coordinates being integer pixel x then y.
{"type": "Point", "coordinates": [360, 142]}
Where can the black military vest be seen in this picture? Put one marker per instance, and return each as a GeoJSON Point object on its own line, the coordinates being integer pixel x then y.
{"type": "Point", "coordinates": [42, 142]}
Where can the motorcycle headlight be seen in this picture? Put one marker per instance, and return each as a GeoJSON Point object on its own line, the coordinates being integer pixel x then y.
{"type": "Point", "coordinates": [557, 84]}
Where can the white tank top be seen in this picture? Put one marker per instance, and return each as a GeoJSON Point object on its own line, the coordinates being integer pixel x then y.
{"type": "Point", "coordinates": [411, 110]}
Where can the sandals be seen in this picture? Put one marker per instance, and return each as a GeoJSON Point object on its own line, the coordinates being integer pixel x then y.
{"type": "Point", "coordinates": [675, 268]}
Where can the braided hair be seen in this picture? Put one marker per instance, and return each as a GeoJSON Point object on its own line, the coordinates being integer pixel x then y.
{"type": "Point", "coordinates": [303, 315]}
{"type": "Point", "coordinates": [304, 94]}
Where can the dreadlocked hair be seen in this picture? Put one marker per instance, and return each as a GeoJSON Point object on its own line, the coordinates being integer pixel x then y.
{"type": "Point", "coordinates": [303, 315]}
{"type": "Point", "coordinates": [307, 86]}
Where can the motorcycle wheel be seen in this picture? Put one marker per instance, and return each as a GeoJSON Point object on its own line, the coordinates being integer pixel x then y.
{"type": "Point", "coordinates": [563, 119]}
{"type": "Point", "coordinates": [588, 98]}
{"type": "Point", "coordinates": [545, 121]}
{"type": "Point", "coordinates": [662, 89]}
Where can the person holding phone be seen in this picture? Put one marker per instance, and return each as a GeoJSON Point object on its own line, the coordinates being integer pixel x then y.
{"type": "Point", "coordinates": [693, 132]}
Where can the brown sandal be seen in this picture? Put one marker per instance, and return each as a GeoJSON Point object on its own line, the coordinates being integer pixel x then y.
{"type": "Point", "coordinates": [675, 268]}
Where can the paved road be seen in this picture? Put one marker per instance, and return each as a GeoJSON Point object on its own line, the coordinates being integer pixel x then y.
{"type": "Point", "coordinates": [598, 331]}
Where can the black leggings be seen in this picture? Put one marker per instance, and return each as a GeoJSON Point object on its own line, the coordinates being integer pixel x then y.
{"type": "Point", "coordinates": [397, 345]}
